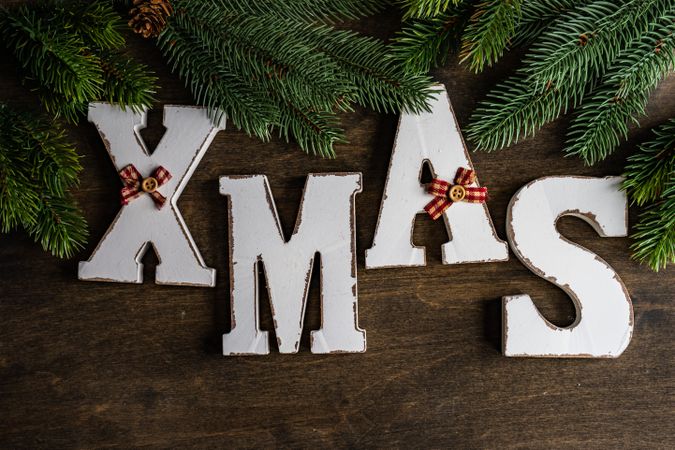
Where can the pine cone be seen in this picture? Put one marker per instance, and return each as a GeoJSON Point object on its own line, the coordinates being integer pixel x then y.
{"type": "Point", "coordinates": [148, 17]}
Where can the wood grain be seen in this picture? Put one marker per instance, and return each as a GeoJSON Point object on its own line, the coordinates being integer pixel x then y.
{"type": "Point", "coordinates": [86, 364]}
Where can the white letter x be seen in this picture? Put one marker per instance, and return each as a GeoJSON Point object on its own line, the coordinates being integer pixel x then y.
{"type": "Point", "coordinates": [189, 132]}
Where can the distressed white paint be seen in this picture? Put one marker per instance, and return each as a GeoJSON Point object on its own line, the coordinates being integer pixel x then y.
{"type": "Point", "coordinates": [433, 137]}
{"type": "Point", "coordinates": [325, 224]}
{"type": "Point", "coordinates": [604, 322]}
{"type": "Point", "coordinates": [189, 132]}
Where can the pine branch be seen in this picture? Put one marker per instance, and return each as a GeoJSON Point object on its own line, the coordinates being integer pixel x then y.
{"type": "Point", "coordinates": [651, 168]}
{"type": "Point", "coordinates": [95, 22]}
{"type": "Point", "coordinates": [423, 44]}
{"type": "Point", "coordinates": [18, 198]}
{"type": "Point", "coordinates": [590, 40]}
{"type": "Point", "coordinates": [126, 82]}
{"type": "Point", "coordinates": [57, 60]}
{"type": "Point", "coordinates": [215, 84]}
{"type": "Point", "coordinates": [71, 51]}
{"type": "Point", "coordinates": [60, 227]}
{"type": "Point", "coordinates": [426, 9]}
{"type": "Point", "coordinates": [537, 15]}
{"type": "Point", "coordinates": [272, 71]}
{"type": "Point", "coordinates": [37, 167]}
{"type": "Point", "coordinates": [603, 119]}
{"type": "Point", "coordinates": [655, 237]}
{"type": "Point", "coordinates": [489, 32]}
{"type": "Point", "coordinates": [559, 69]}
{"type": "Point", "coordinates": [380, 82]}
{"type": "Point", "coordinates": [324, 11]}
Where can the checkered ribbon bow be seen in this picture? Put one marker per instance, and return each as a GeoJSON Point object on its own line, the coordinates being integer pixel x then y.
{"type": "Point", "coordinates": [135, 185]}
{"type": "Point", "coordinates": [446, 194]}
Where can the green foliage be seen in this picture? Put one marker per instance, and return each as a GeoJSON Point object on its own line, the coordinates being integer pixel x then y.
{"type": "Point", "coordinates": [487, 35]}
{"type": "Point", "coordinates": [426, 9]}
{"type": "Point", "coordinates": [424, 44]}
{"type": "Point", "coordinates": [37, 168]}
{"type": "Point", "coordinates": [561, 67]}
{"type": "Point", "coordinates": [327, 11]}
{"type": "Point", "coordinates": [652, 167]}
{"type": "Point", "coordinates": [537, 15]}
{"type": "Point", "coordinates": [655, 236]}
{"type": "Point", "coordinates": [275, 69]}
{"type": "Point", "coordinates": [602, 121]}
{"type": "Point", "coordinates": [71, 51]}
{"type": "Point", "coordinates": [483, 30]}
{"type": "Point", "coordinates": [650, 180]}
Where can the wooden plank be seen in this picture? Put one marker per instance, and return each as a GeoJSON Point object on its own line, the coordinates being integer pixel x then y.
{"type": "Point", "coordinates": [87, 364]}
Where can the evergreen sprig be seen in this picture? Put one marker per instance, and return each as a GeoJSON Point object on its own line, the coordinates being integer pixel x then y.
{"type": "Point", "coordinates": [326, 11]}
{"type": "Point", "coordinates": [602, 120]}
{"type": "Point", "coordinates": [537, 15]}
{"type": "Point", "coordinates": [37, 168]}
{"type": "Point", "coordinates": [649, 170]}
{"type": "Point", "coordinates": [426, 9]}
{"type": "Point", "coordinates": [72, 53]}
{"type": "Point", "coordinates": [425, 43]}
{"type": "Point", "coordinates": [650, 181]}
{"type": "Point", "coordinates": [560, 68]}
{"type": "Point", "coordinates": [279, 68]}
{"type": "Point", "coordinates": [655, 235]}
{"type": "Point", "coordinates": [483, 30]}
{"type": "Point", "coordinates": [489, 31]}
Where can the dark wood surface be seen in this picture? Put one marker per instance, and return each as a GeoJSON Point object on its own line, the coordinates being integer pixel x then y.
{"type": "Point", "coordinates": [87, 364]}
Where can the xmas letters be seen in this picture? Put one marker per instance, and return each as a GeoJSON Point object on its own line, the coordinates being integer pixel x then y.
{"type": "Point", "coordinates": [326, 225]}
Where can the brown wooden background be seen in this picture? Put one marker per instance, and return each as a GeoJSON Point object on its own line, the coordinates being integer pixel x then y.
{"type": "Point", "coordinates": [87, 364]}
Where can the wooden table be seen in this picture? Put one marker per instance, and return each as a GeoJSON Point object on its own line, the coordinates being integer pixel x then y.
{"type": "Point", "coordinates": [86, 364]}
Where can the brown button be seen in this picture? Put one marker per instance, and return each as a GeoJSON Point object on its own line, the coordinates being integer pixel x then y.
{"type": "Point", "coordinates": [457, 193]}
{"type": "Point", "coordinates": [149, 185]}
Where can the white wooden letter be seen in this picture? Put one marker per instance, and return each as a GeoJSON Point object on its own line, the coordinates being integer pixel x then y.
{"type": "Point", "coordinates": [189, 132]}
{"type": "Point", "coordinates": [604, 312]}
{"type": "Point", "coordinates": [325, 224]}
{"type": "Point", "coordinates": [432, 137]}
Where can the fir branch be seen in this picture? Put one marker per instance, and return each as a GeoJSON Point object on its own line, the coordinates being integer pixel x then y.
{"type": "Point", "coordinates": [490, 29]}
{"type": "Point", "coordinates": [295, 69]}
{"type": "Point", "coordinates": [537, 15]}
{"type": "Point", "coordinates": [59, 227]}
{"type": "Point", "coordinates": [95, 22]}
{"type": "Point", "coordinates": [216, 85]}
{"type": "Point", "coordinates": [271, 70]}
{"type": "Point", "coordinates": [603, 119]}
{"type": "Point", "coordinates": [380, 82]}
{"type": "Point", "coordinates": [37, 167]}
{"type": "Point", "coordinates": [655, 236]}
{"type": "Point", "coordinates": [18, 197]}
{"type": "Point", "coordinates": [61, 106]}
{"type": "Point", "coordinates": [126, 81]}
{"type": "Point", "coordinates": [651, 168]}
{"type": "Point", "coordinates": [57, 60]}
{"type": "Point", "coordinates": [71, 50]}
{"type": "Point", "coordinates": [559, 70]}
{"type": "Point", "coordinates": [325, 11]}
{"type": "Point", "coordinates": [426, 9]}
{"type": "Point", "coordinates": [589, 39]}
{"type": "Point", "coordinates": [424, 44]}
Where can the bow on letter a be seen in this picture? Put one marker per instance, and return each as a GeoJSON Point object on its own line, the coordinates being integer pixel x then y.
{"type": "Point", "coordinates": [446, 194]}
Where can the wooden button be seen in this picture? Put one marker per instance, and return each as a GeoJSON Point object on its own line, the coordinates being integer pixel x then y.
{"type": "Point", "coordinates": [457, 193]}
{"type": "Point", "coordinates": [149, 185]}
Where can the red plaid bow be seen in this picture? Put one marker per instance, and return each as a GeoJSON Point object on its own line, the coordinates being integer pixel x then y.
{"type": "Point", "coordinates": [447, 194]}
{"type": "Point", "coordinates": [135, 185]}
